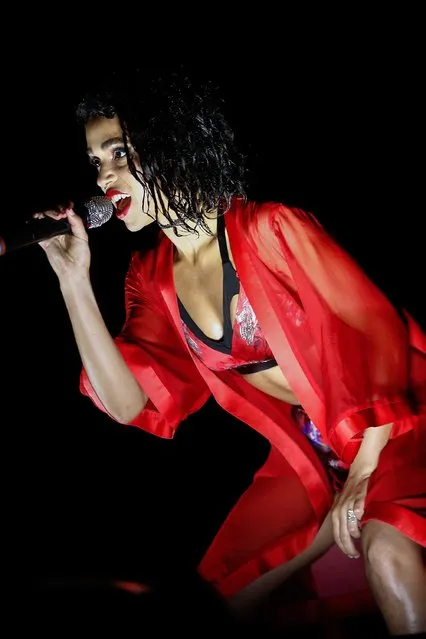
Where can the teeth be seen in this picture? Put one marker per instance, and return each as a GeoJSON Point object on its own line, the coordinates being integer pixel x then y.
{"type": "Point", "coordinates": [119, 196]}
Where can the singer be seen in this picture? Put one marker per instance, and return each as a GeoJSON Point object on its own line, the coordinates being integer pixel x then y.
{"type": "Point", "coordinates": [256, 304]}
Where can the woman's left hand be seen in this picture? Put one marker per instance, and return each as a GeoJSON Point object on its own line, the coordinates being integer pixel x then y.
{"type": "Point", "coordinates": [347, 512]}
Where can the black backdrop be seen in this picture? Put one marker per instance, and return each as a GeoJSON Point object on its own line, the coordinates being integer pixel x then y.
{"type": "Point", "coordinates": [343, 139]}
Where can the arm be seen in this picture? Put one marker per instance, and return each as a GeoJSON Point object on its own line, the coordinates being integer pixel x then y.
{"type": "Point", "coordinates": [352, 498]}
{"type": "Point", "coordinates": [106, 369]}
{"type": "Point", "coordinates": [113, 382]}
{"type": "Point", "coordinates": [373, 442]}
{"type": "Point", "coordinates": [362, 346]}
{"type": "Point", "coordinates": [146, 355]}
{"type": "Point", "coordinates": [363, 359]}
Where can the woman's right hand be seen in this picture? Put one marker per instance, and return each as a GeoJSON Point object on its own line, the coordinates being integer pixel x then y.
{"type": "Point", "coordinates": [69, 253]}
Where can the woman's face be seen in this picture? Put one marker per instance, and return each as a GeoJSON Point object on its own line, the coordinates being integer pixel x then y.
{"type": "Point", "coordinates": [107, 152]}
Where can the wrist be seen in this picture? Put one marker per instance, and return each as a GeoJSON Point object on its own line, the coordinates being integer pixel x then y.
{"type": "Point", "coordinates": [78, 282]}
{"type": "Point", "coordinates": [362, 468]}
{"type": "Point", "coordinates": [367, 458]}
{"type": "Point", "coordinates": [365, 462]}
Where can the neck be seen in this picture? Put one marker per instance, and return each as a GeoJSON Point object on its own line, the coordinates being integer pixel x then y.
{"type": "Point", "coordinates": [191, 246]}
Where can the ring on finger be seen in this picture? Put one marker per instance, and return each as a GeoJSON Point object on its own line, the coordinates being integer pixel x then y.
{"type": "Point", "coordinates": [351, 517]}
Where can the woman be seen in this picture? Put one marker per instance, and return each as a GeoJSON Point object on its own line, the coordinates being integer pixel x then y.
{"type": "Point", "coordinates": [255, 304]}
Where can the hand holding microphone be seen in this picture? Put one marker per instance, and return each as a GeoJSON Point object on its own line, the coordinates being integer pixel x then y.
{"type": "Point", "coordinates": [61, 233]}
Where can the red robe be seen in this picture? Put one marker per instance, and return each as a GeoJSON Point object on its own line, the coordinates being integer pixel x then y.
{"type": "Point", "coordinates": [352, 361]}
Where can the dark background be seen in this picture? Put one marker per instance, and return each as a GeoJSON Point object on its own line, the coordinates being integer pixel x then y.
{"type": "Point", "coordinates": [339, 134]}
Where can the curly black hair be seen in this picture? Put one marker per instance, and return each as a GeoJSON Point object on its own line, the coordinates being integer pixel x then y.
{"type": "Point", "coordinates": [185, 144]}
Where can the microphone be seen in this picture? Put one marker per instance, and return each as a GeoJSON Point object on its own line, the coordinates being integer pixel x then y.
{"type": "Point", "coordinates": [94, 213]}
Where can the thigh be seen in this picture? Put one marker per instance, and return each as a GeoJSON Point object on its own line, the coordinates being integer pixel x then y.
{"type": "Point", "coordinates": [274, 515]}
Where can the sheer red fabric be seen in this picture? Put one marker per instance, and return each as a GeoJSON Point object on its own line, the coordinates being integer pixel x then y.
{"type": "Point", "coordinates": [360, 363]}
{"type": "Point", "coordinates": [351, 359]}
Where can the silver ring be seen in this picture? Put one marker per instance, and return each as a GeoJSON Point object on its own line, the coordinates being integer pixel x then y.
{"type": "Point", "coordinates": [351, 517]}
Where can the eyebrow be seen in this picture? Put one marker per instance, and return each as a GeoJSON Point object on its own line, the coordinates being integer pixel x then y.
{"type": "Point", "coordinates": [107, 144]}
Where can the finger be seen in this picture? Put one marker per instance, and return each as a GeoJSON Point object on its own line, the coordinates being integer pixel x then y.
{"type": "Point", "coordinates": [359, 505]}
{"type": "Point", "coordinates": [77, 224]}
{"type": "Point", "coordinates": [335, 519]}
{"type": "Point", "coordinates": [338, 525]}
{"type": "Point", "coordinates": [64, 207]}
{"type": "Point", "coordinates": [54, 215]}
{"type": "Point", "coordinates": [345, 535]}
{"type": "Point", "coordinates": [353, 528]}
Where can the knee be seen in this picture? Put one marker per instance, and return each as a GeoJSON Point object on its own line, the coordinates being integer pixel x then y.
{"type": "Point", "coordinates": [383, 549]}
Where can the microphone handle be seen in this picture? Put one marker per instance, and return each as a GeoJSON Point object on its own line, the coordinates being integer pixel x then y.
{"type": "Point", "coordinates": [33, 232]}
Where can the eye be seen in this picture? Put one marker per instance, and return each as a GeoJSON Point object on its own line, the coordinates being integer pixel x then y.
{"type": "Point", "coordinates": [94, 161]}
{"type": "Point", "coordinates": [119, 153]}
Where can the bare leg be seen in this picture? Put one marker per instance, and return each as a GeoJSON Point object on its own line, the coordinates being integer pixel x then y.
{"type": "Point", "coordinates": [245, 602]}
{"type": "Point", "coordinates": [397, 576]}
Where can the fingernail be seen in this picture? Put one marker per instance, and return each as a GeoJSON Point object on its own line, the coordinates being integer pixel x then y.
{"type": "Point", "coordinates": [70, 212]}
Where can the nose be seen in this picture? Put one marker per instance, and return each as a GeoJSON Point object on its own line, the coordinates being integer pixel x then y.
{"type": "Point", "coordinates": [106, 177]}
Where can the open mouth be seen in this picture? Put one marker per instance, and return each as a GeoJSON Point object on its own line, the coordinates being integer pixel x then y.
{"type": "Point", "coordinates": [123, 206]}
{"type": "Point", "coordinates": [121, 202]}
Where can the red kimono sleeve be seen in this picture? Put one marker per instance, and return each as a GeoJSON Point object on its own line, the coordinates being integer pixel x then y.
{"type": "Point", "coordinates": [362, 343]}
{"type": "Point", "coordinates": [157, 358]}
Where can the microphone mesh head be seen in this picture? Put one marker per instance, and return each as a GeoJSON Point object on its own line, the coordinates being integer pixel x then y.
{"type": "Point", "coordinates": [99, 210]}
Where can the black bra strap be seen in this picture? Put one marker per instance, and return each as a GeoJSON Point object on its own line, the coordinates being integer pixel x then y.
{"type": "Point", "coordinates": [222, 239]}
